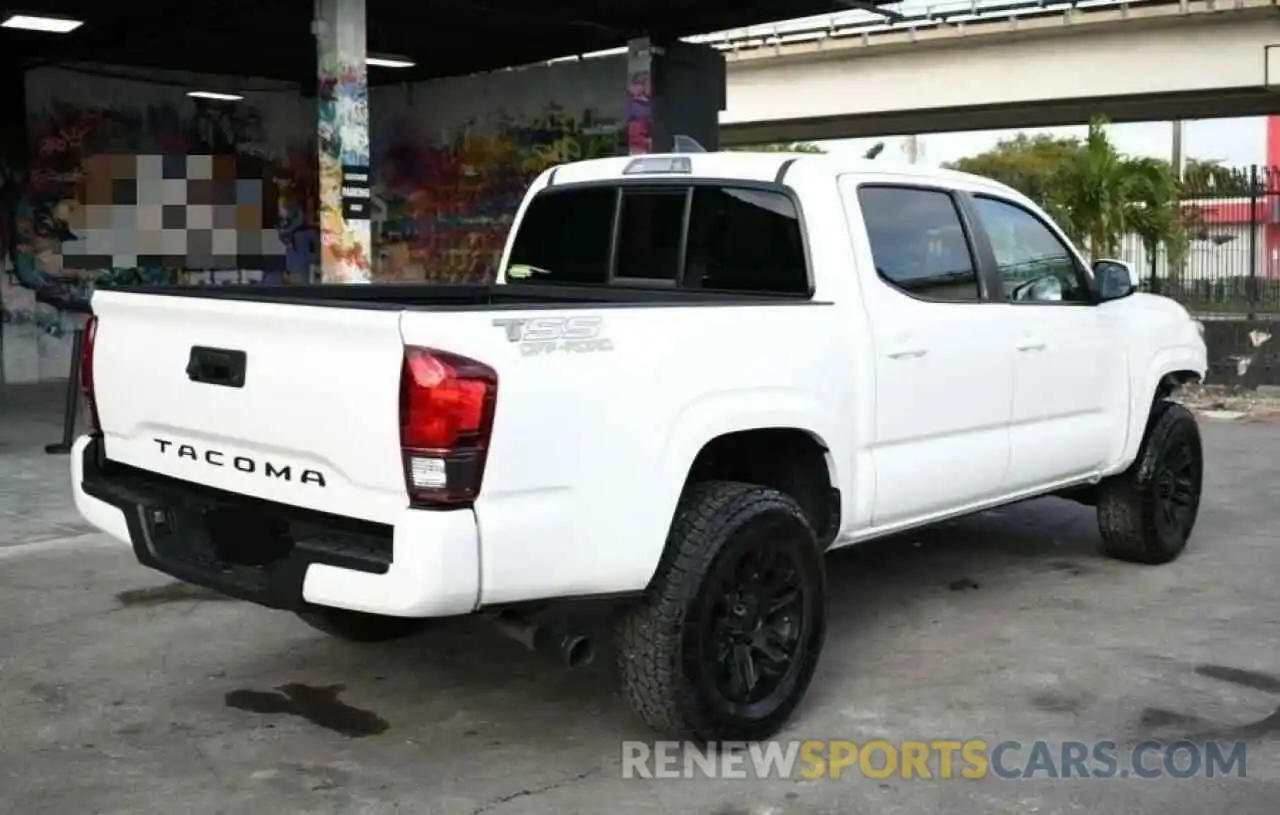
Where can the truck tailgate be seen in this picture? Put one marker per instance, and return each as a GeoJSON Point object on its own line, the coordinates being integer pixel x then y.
{"type": "Point", "coordinates": [313, 421]}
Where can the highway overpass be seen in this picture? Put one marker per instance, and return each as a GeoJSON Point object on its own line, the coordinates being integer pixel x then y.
{"type": "Point", "coordinates": [1027, 65]}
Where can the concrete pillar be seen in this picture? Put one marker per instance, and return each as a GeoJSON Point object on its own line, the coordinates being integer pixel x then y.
{"type": "Point", "coordinates": [688, 94]}
{"type": "Point", "coordinates": [346, 240]}
{"type": "Point", "coordinates": [639, 96]}
{"type": "Point", "coordinates": [673, 89]}
{"type": "Point", "coordinates": [1175, 153]}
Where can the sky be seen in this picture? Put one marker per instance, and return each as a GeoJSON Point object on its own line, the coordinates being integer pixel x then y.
{"type": "Point", "coordinates": [1234, 142]}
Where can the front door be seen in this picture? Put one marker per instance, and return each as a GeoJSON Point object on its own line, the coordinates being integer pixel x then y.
{"type": "Point", "coordinates": [1070, 383]}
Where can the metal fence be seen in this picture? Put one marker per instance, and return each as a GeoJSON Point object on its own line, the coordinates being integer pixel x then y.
{"type": "Point", "coordinates": [1231, 265]}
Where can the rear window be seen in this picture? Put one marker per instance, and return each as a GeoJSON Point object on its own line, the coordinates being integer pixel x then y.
{"type": "Point", "coordinates": [722, 238]}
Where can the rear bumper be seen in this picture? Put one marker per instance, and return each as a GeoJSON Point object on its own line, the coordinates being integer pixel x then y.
{"type": "Point", "coordinates": [426, 564]}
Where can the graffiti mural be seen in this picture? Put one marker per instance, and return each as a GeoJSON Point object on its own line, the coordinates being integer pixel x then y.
{"type": "Point", "coordinates": [449, 162]}
{"type": "Point", "coordinates": [441, 211]}
{"type": "Point", "coordinates": [296, 205]}
{"type": "Point", "coordinates": [344, 147]}
{"type": "Point", "coordinates": [128, 182]}
{"type": "Point", "coordinates": [639, 98]}
{"type": "Point", "coordinates": [452, 159]}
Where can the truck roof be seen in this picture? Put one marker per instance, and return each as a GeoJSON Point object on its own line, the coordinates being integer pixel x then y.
{"type": "Point", "coordinates": [763, 166]}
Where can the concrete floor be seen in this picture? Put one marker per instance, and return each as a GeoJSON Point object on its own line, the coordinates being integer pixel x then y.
{"type": "Point", "coordinates": [120, 693]}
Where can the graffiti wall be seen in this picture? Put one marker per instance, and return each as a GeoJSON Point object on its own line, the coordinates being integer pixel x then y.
{"type": "Point", "coordinates": [133, 181]}
{"type": "Point", "coordinates": [343, 124]}
{"type": "Point", "coordinates": [452, 159]}
{"type": "Point", "coordinates": [639, 97]}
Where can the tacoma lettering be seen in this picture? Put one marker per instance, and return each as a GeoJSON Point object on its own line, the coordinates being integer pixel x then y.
{"type": "Point", "coordinates": [245, 464]}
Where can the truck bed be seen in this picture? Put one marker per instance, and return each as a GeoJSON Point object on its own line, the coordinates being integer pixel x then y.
{"type": "Point", "coordinates": [463, 297]}
{"type": "Point", "coordinates": [222, 385]}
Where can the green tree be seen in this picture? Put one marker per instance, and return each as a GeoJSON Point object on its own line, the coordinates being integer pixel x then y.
{"type": "Point", "coordinates": [806, 147]}
{"type": "Point", "coordinates": [1154, 210]}
{"type": "Point", "coordinates": [1095, 193]}
{"type": "Point", "coordinates": [1089, 191]}
{"type": "Point", "coordinates": [1102, 195]}
{"type": "Point", "coordinates": [1029, 164]}
{"type": "Point", "coordinates": [1207, 178]}
{"type": "Point", "coordinates": [785, 147]}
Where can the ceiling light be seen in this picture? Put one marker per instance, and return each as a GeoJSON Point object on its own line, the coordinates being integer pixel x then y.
{"type": "Point", "coordinates": [224, 97]}
{"type": "Point", "coordinates": [389, 61]}
{"type": "Point", "coordinates": [33, 22]}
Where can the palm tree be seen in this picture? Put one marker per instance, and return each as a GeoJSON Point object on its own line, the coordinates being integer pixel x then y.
{"type": "Point", "coordinates": [1099, 196]}
{"type": "Point", "coordinates": [1153, 211]}
{"type": "Point", "coordinates": [1088, 192]}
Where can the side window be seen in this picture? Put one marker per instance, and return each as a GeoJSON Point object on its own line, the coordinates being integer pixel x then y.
{"type": "Point", "coordinates": [565, 237]}
{"type": "Point", "coordinates": [1034, 264]}
{"type": "Point", "coordinates": [745, 240]}
{"type": "Point", "coordinates": [918, 243]}
{"type": "Point", "coordinates": [650, 233]}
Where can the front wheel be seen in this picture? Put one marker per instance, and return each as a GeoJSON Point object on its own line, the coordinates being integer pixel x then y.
{"type": "Point", "coordinates": [727, 638]}
{"type": "Point", "coordinates": [1146, 514]}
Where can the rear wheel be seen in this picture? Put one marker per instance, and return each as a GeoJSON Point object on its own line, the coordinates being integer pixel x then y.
{"type": "Point", "coordinates": [1146, 514]}
{"type": "Point", "coordinates": [357, 626]}
{"type": "Point", "coordinates": [727, 638]}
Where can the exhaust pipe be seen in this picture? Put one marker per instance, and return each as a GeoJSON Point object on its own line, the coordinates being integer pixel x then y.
{"type": "Point", "coordinates": [570, 648]}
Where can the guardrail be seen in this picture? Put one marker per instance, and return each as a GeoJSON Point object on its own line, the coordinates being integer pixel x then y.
{"type": "Point", "coordinates": [954, 14]}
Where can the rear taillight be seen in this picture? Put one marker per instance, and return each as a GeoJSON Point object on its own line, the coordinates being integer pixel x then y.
{"type": "Point", "coordinates": [86, 374]}
{"type": "Point", "coordinates": [446, 417]}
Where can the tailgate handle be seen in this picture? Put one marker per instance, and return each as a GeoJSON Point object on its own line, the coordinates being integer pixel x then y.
{"type": "Point", "coordinates": [216, 366]}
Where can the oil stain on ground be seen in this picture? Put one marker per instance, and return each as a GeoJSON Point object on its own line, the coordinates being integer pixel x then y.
{"type": "Point", "coordinates": [320, 706]}
{"type": "Point", "coordinates": [1239, 676]}
{"type": "Point", "coordinates": [177, 592]}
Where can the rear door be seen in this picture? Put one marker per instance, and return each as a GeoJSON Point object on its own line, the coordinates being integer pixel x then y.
{"type": "Point", "coordinates": [296, 404]}
{"type": "Point", "coordinates": [943, 359]}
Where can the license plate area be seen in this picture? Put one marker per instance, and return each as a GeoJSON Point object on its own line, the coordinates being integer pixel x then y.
{"type": "Point", "coordinates": [233, 543]}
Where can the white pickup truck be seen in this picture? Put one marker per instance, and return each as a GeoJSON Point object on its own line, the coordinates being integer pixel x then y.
{"type": "Point", "coordinates": [695, 374]}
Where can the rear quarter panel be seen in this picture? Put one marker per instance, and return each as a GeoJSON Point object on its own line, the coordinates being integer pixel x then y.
{"type": "Point", "coordinates": [590, 449]}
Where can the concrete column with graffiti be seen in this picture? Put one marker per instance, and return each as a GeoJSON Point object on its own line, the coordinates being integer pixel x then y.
{"type": "Point", "coordinates": [346, 245]}
{"type": "Point", "coordinates": [640, 96]}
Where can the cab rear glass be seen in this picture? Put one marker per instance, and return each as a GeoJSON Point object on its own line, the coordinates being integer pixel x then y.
{"type": "Point", "coordinates": [705, 236]}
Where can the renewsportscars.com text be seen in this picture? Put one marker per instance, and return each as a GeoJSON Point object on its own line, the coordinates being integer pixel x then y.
{"type": "Point", "coordinates": [936, 759]}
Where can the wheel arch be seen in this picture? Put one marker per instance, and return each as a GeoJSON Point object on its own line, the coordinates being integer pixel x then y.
{"type": "Point", "coordinates": [794, 461]}
{"type": "Point", "coordinates": [1170, 368]}
{"type": "Point", "coordinates": [715, 425]}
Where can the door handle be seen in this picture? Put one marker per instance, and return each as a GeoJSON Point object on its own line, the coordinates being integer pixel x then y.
{"type": "Point", "coordinates": [907, 353]}
{"type": "Point", "coordinates": [1030, 344]}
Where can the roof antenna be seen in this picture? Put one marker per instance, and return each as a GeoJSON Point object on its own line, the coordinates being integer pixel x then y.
{"type": "Point", "coordinates": [687, 144]}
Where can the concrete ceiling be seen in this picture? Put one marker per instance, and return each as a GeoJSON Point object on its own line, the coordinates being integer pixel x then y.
{"type": "Point", "coordinates": [271, 39]}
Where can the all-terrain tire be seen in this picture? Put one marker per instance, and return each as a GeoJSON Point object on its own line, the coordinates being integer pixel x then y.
{"type": "Point", "coordinates": [729, 542]}
{"type": "Point", "coordinates": [1146, 513]}
{"type": "Point", "coordinates": [357, 626]}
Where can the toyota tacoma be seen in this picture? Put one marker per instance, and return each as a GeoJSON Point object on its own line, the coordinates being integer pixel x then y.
{"type": "Point", "coordinates": [694, 375]}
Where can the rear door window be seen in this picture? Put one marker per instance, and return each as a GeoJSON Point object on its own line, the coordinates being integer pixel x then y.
{"type": "Point", "coordinates": [919, 244]}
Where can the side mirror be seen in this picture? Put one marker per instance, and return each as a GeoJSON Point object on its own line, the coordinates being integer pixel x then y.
{"type": "Point", "coordinates": [1114, 279]}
